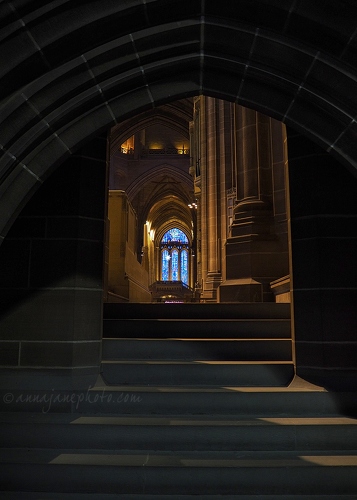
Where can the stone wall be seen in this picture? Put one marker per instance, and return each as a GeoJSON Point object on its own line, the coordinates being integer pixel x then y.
{"type": "Point", "coordinates": [51, 267]}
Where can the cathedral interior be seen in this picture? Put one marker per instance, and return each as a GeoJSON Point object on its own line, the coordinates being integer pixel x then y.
{"type": "Point", "coordinates": [182, 165]}
{"type": "Point", "coordinates": [178, 208]}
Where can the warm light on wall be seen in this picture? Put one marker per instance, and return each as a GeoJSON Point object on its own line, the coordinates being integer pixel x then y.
{"type": "Point", "coordinates": [156, 145]}
{"type": "Point", "coordinates": [182, 148]}
{"type": "Point", "coordinates": [150, 232]}
{"type": "Point", "coordinates": [128, 145]}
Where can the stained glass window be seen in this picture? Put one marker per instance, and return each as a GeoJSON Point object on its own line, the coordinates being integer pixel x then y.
{"type": "Point", "coordinates": [184, 266]}
{"type": "Point", "coordinates": [174, 266]}
{"type": "Point", "coordinates": [174, 256]}
{"type": "Point", "coordinates": [165, 265]}
{"type": "Point", "coordinates": [175, 234]}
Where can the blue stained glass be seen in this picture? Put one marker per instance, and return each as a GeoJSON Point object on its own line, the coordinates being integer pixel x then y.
{"type": "Point", "coordinates": [184, 266]}
{"type": "Point", "coordinates": [174, 266]}
{"type": "Point", "coordinates": [175, 234]}
{"type": "Point", "coordinates": [174, 261]}
{"type": "Point", "coordinates": [165, 265]}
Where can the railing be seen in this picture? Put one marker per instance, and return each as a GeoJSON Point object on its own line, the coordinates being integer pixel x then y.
{"type": "Point", "coordinates": [127, 151]}
{"type": "Point", "coordinates": [178, 288]}
{"type": "Point", "coordinates": [165, 151]}
{"type": "Point", "coordinates": [173, 289]}
{"type": "Point", "coordinates": [170, 283]}
{"type": "Point", "coordinates": [156, 152]}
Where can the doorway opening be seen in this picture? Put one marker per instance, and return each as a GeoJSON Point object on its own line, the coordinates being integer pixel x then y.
{"type": "Point", "coordinates": [198, 206]}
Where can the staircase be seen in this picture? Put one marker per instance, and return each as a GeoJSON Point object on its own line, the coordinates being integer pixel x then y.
{"type": "Point", "coordinates": [197, 344]}
{"type": "Point", "coordinates": [193, 402]}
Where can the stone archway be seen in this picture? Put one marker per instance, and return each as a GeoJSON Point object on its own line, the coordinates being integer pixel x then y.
{"type": "Point", "coordinates": [113, 61]}
{"type": "Point", "coordinates": [71, 72]}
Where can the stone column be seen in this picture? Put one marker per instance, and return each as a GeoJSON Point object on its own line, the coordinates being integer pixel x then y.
{"type": "Point", "coordinates": [253, 167]}
{"type": "Point", "coordinates": [253, 251]}
{"type": "Point", "coordinates": [212, 222]}
{"type": "Point", "coordinates": [118, 286]}
{"type": "Point", "coordinates": [199, 240]}
{"type": "Point", "coordinates": [158, 262]}
{"type": "Point", "coordinates": [195, 171]}
{"type": "Point", "coordinates": [226, 172]}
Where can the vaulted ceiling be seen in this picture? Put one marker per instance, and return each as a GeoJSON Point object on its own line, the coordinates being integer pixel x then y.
{"type": "Point", "coordinates": [71, 70]}
{"type": "Point", "coordinates": [175, 115]}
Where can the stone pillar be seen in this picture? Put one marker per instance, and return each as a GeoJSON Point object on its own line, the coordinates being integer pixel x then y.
{"type": "Point", "coordinates": [137, 145]}
{"type": "Point", "coordinates": [118, 286]}
{"type": "Point", "coordinates": [199, 240]}
{"type": "Point", "coordinates": [51, 275]}
{"type": "Point", "coordinates": [253, 167]}
{"type": "Point", "coordinates": [145, 251]}
{"type": "Point", "coordinates": [226, 172]}
{"type": "Point", "coordinates": [158, 262]}
{"type": "Point", "coordinates": [202, 167]}
{"type": "Point", "coordinates": [253, 250]}
{"type": "Point", "coordinates": [210, 200]}
{"type": "Point", "coordinates": [195, 172]}
{"type": "Point", "coordinates": [323, 201]}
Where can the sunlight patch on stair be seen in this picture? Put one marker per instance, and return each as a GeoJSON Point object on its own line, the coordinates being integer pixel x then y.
{"type": "Point", "coordinates": [217, 362]}
{"type": "Point", "coordinates": [310, 421]}
{"type": "Point", "coordinates": [155, 421]}
{"type": "Point", "coordinates": [331, 460]}
{"type": "Point", "coordinates": [168, 460]}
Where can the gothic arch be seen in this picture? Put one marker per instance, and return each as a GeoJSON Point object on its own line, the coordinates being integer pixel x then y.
{"type": "Point", "coordinates": [169, 212]}
{"type": "Point", "coordinates": [170, 225]}
{"type": "Point", "coordinates": [167, 115]}
{"type": "Point", "coordinates": [72, 71]}
{"type": "Point", "coordinates": [161, 171]}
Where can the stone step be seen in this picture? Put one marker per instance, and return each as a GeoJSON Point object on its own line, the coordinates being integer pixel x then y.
{"type": "Point", "coordinates": [197, 344]}
{"type": "Point", "coordinates": [178, 433]}
{"type": "Point", "coordinates": [197, 349]}
{"type": "Point", "coordinates": [196, 328]}
{"type": "Point", "coordinates": [190, 473]}
{"type": "Point", "coordinates": [202, 373]}
{"type": "Point", "coordinates": [298, 399]}
{"type": "Point", "coordinates": [93, 496]}
{"type": "Point", "coordinates": [253, 310]}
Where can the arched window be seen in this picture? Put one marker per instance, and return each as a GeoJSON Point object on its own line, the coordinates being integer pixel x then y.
{"type": "Point", "coordinates": [184, 266]}
{"type": "Point", "coordinates": [175, 265]}
{"type": "Point", "coordinates": [174, 256]}
{"type": "Point", "coordinates": [165, 268]}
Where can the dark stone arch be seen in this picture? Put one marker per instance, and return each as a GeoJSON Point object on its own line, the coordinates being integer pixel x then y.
{"type": "Point", "coordinates": [121, 68]}
{"type": "Point", "coordinates": [68, 75]}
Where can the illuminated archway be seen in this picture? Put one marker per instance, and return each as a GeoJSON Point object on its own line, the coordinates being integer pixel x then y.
{"type": "Point", "coordinates": [174, 262]}
{"type": "Point", "coordinates": [72, 70]}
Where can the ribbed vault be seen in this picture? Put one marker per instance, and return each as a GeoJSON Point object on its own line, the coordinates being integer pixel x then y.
{"type": "Point", "coordinates": [167, 213]}
{"type": "Point", "coordinates": [71, 70]}
{"type": "Point", "coordinates": [175, 115]}
{"type": "Point", "coordinates": [165, 179]}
